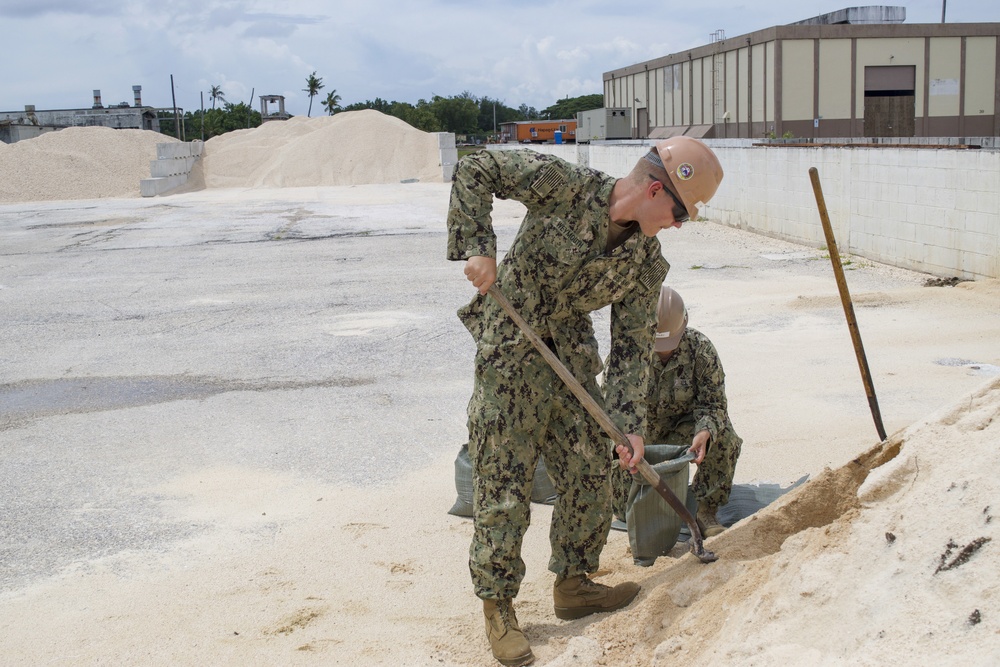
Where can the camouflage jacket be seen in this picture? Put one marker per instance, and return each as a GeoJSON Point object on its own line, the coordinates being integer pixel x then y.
{"type": "Point", "coordinates": [558, 270]}
{"type": "Point", "coordinates": [687, 393]}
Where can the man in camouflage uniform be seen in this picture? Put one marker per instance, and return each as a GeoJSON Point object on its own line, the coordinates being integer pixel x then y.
{"type": "Point", "coordinates": [687, 403]}
{"type": "Point", "coordinates": [588, 241]}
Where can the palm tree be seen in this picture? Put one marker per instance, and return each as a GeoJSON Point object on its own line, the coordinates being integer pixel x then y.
{"type": "Point", "coordinates": [313, 85]}
{"type": "Point", "coordinates": [332, 102]}
{"type": "Point", "coordinates": [217, 94]}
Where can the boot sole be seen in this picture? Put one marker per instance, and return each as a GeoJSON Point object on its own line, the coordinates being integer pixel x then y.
{"type": "Point", "coordinates": [573, 613]}
{"type": "Point", "coordinates": [526, 659]}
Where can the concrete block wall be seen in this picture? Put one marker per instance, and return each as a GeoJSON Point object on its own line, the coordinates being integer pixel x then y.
{"type": "Point", "coordinates": [171, 168]}
{"type": "Point", "coordinates": [926, 209]}
{"type": "Point", "coordinates": [934, 210]}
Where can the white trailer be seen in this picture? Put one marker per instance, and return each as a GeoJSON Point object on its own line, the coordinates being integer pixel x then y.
{"type": "Point", "coordinates": [607, 123]}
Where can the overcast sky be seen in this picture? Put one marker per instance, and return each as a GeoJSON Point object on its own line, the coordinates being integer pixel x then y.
{"type": "Point", "coordinates": [534, 52]}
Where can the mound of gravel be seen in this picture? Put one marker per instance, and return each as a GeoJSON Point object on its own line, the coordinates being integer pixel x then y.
{"type": "Point", "coordinates": [77, 163]}
{"type": "Point", "coordinates": [350, 148]}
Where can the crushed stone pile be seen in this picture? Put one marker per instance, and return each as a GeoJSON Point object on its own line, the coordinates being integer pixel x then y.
{"type": "Point", "coordinates": [77, 163]}
{"type": "Point", "coordinates": [350, 148]}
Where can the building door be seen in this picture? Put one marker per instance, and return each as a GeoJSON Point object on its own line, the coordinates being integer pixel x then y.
{"type": "Point", "coordinates": [642, 123]}
{"type": "Point", "coordinates": [890, 101]}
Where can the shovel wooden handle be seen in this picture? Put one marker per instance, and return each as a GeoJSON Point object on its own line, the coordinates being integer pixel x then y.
{"type": "Point", "coordinates": [598, 413]}
{"type": "Point", "coordinates": [845, 300]}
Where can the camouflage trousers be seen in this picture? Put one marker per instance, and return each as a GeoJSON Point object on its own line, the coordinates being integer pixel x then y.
{"type": "Point", "coordinates": [512, 418]}
{"type": "Point", "coordinates": [712, 482]}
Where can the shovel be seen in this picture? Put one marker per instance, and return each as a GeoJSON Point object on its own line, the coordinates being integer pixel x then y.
{"type": "Point", "coordinates": [598, 413]}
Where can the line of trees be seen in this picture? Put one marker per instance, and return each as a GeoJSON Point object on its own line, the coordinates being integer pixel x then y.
{"type": "Point", "coordinates": [472, 116]}
{"type": "Point", "coordinates": [211, 123]}
{"type": "Point", "coordinates": [476, 118]}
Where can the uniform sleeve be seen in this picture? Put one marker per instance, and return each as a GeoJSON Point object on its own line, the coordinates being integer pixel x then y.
{"type": "Point", "coordinates": [710, 409]}
{"type": "Point", "coordinates": [626, 378]}
{"type": "Point", "coordinates": [479, 176]}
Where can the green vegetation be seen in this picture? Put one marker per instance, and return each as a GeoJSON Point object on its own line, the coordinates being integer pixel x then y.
{"type": "Point", "coordinates": [475, 120]}
{"type": "Point", "coordinates": [467, 115]}
{"type": "Point", "coordinates": [567, 108]}
{"type": "Point", "coordinates": [332, 102]}
{"type": "Point", "coordinates": [214, 121]}
{"type": "Point", "coordinates": [216, 94]}
{"type": "Point", "coordinates": [313, 85]}
{"type": "Point", "coordinates": [847, 262]}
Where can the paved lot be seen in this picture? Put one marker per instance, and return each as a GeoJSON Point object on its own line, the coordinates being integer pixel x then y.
{"type": "Point", "coordinates": [145, 338]}
{"type": "Point", "coordinates": [311, 332]}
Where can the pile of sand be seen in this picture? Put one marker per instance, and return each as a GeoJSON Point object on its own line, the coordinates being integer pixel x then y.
{"type": "Point", "coordinates": [893, 558]}
{"type": "Point", "coordinates": [351, 148]}
{"type": "Point", "coordinates": [77, 163]}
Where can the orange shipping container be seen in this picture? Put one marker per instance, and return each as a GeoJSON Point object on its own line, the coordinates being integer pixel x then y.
{"type": "Point", "coordinates": [539, 132]}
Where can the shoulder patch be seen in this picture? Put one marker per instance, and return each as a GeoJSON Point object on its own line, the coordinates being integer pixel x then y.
{"type": "Point", "coordinates": [652, 276]}
{"type": "Point", "coordinates": [550, 177]}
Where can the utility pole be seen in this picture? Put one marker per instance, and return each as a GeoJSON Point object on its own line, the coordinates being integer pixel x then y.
{"type": "Point", "coordinates": [944, 6]}
{"type": "Point", "coordinates": [173, 97]}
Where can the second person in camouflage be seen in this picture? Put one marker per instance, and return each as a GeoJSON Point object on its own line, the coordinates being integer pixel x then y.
{"type": "Point", "coordinates": [687, 404]}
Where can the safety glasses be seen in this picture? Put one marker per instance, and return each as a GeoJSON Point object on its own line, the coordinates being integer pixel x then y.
{"type": "Point", "coordinates": [680, 212]}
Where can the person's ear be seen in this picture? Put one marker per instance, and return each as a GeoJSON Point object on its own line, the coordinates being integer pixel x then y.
{"type": "Point", "coordinates": [654, 187]}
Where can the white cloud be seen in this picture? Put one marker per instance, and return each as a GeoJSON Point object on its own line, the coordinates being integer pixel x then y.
{"type": "Point", "coordinates": [533, 53]}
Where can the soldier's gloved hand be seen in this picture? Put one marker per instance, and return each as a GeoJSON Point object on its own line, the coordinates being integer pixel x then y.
{"type": "Point", "coordinates": [630, 461]}
{"type": "Point", "coordinates": [699, 445]}
{"type": "Point", "coordinates": [481, 272]}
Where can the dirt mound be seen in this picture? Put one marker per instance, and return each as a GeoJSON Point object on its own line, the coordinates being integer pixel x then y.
{"type": "Point", "coordinates": [77, 163]}
{"type": "Point", "coordinates": [351, 148]}
{"type": "Point", "coordinates": [893, 558]}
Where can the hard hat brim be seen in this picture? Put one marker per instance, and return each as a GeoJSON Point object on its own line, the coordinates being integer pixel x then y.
{"type": "Point", "coordinates": [669, 343]}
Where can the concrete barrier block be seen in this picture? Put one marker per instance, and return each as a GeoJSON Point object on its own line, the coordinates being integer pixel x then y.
{"type": "Point", "coordinates": [448, 157]}
{"type": "Point", "coordinates": [150, 187]}
{"type": "Point", "coordinates": [446, 139]}
{"type": "Point", "coordinates": [171, 167]}
{"type": "Point", "coordinates": [178, 149]}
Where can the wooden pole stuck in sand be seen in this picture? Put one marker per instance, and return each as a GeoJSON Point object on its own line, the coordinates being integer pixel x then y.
{"type": "Point", "coordinates": [845, 299]}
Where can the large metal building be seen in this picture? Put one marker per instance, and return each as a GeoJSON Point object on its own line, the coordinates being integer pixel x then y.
{"type": "Point", "coordinates": [858, 72]}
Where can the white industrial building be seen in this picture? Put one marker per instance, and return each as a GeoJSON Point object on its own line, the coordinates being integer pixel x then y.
{"type": "Point", "coordinates": [858, 72]}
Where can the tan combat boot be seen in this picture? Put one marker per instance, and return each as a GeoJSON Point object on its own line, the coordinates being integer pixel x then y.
{"type": "Point", "coordinates": [707, 523]}
{"type": "Point", "coordinates": [510, 647]}
{"type": "Point", "coordinates": [578, 596]}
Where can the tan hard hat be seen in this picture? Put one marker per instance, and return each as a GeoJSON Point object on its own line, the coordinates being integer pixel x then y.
{"type": "Point", "coordinates": [672, 319]}
{"type": "Point", "coordinates": [694, 170]}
